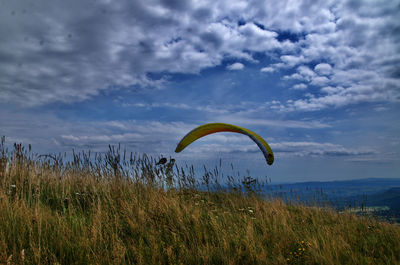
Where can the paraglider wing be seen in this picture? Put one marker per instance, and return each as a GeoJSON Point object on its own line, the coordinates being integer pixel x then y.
{"type": "Point", "coordinates": [210, 128]}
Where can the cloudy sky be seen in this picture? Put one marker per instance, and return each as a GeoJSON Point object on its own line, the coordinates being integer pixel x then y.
{"type": "Point", "coordinates": [319, 80]}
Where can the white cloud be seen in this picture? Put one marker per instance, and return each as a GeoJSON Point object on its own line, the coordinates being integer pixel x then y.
{"type": "Point", "coordinates": [300, 86]}
{"type": "Point", "coordinates": [306, 72]}
{"type": "Point", "coordinates": [320, 81]}
{"type": "Point", "coordinates": [235, 66]}
{"type": "Point", "coordinates": [273, 68]}
{"type": "Point", "coordinates": [267, 69]}
{"type": "Point", "coordinates": [332, 90]}
{"type": "Point", "coordinates": [318, 149]}
{"type": "Point", "coordinates": [240, 145]}
{"type": "Point", "coordinates": [338, 97]}
{"type": "Point", "coordinates": [353, 76]}
{"type": "Point", "coordinates": [295, 76]}
{"type": "Point", "coordinates": [182, 106]}
{"type": "Point", "coordinates": [291, 61]}
{"type": "Point", "coordinates": [72, 50]}
{"type": "Point", "coordinates": [323, 69]}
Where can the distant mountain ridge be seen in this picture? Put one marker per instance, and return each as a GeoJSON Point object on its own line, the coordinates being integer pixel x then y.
{"type": "Point", "coordinates": [390, 197]}
{"type": "Point", "coordinates": [342, 193]}
{"type": "Point", "coordinates": [385, 181]}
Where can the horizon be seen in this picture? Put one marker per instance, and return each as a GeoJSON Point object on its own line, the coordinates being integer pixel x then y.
{"type": "Point", "coordinates": [319, 82]}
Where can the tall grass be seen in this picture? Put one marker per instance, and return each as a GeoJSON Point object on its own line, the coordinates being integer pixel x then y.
{"type": "Point", "coordinates": [118, 208]}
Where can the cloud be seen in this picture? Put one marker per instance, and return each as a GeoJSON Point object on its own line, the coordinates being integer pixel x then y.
{"type": "Point", "coordinates": [332, 90]}
{"type": "Point", "coordinates": [320, 81]}
{"type": "Point", "coordinates": [349, 71]}
{"type": "Point", "coordinates": [323, 69]}
{"type": "Point", "coordinates": [273, 68]}
{"type": "Point", "coordinates": [237, 114]}
{"type": "Point", "coordinates": [182, 106]}
{"type": "Point", "coordinates": [235, 66]}
{"type": "Point", "coordinates": [345, 97]}
{"type": "Point", "coordinates": [303, 124]}
{"type": "Point", "coordinates": [306, 73]}
{"type": "Point", "coordinates": [267, 70]}
{"type": "Point", "coordinates": [71, 51]}
{"type": "Point", "coordinates": [49, 133]}
{"type": "Point", "coordinates": [291, 60]}
{"type": "Point", "coordinates": [240, 145]}
{"type": "Point", "coordinates": [319, 149]}
{"type": "Point", "coordinates": [300, 86]}
{"type": "Point", "coordinates": [295, 76]}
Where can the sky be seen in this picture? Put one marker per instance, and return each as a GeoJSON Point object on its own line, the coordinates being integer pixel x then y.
{"type": "Point", "coordinates": [318, 80]}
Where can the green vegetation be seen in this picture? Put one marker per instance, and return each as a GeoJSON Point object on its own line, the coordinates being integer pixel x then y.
{"type": "Point", "coordinates": [122, 209]}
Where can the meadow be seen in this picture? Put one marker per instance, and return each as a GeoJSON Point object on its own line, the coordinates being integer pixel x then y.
{"type": "Point", "coordinates": [120, 208]}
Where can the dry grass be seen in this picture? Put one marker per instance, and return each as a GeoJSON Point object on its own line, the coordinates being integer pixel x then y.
{"type": "Point", "coordinates": [111, 210]}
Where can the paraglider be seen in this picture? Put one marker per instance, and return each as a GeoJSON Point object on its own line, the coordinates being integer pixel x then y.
{"type": "Point", "coordinates": [162, 161]}
{"type": "Point", "coordinates": [210, 128]}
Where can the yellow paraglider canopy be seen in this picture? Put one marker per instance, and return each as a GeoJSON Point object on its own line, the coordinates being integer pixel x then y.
{"type": "Point", "coordinates": [210, 128]}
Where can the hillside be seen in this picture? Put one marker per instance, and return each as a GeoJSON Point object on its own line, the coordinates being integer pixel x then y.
{"type": "Point", "coordinates": [111, 210]}
{"type": "Point", "coordinates": [337, 189]}
{"type": "Point", "coordinates": [342, 194]}
{"type": "Point", "coordinates": [390, 197]}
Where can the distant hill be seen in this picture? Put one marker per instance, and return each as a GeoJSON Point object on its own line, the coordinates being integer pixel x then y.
{"type": "Point", "coordinates": [340, 188]}
{"type": "Point", "coordinates": [367, 185]}
{"type": "Point", "coordinates": [390, 197]}
{"type": "Point", "coordinates": [343, 193]}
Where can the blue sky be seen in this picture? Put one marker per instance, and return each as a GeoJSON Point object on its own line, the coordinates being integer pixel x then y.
{"type": "Point", "coordinates": [318, 80]}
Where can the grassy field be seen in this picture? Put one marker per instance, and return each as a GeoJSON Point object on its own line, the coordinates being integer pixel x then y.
{"type": "Point", "coordinates": [121, 209]}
